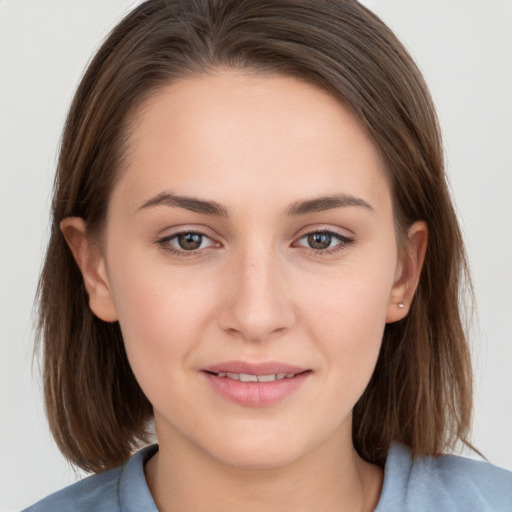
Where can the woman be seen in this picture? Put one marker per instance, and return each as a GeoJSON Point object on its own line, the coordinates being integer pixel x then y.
{"type": "Point", "coordinates": [254, 246]}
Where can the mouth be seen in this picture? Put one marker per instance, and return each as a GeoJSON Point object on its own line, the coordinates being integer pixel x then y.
{"type": "Point", "coordinates": [247, 377]}
{"type": "Point", "coordinates": [255, 385]}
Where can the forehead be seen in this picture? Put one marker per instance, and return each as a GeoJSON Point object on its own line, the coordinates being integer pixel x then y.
{"type": "Point", "coordinates": [233, 134]}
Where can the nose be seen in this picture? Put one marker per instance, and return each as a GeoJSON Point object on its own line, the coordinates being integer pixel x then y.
{"type": "Point", "coordinates": [256, 305]}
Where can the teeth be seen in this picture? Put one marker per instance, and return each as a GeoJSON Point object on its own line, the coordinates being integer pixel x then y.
{"type": "Point", "coordinates": [245, 377]}
{"type": "Point", "coordinates": [266, 378]}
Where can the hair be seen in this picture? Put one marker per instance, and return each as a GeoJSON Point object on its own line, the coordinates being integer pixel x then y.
{"type": "Point", "coordinates": [420, 393]}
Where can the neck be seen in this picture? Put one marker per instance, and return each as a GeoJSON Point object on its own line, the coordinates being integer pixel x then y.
{"type": "Point", "coordinates": [182, 477]}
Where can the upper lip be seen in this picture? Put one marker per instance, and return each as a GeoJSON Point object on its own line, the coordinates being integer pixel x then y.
{"type": "Point", "coordinates": [264, 368]}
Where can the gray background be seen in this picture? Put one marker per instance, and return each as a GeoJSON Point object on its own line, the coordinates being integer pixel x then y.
{"type": "Point", "coordinates": [464, 48]}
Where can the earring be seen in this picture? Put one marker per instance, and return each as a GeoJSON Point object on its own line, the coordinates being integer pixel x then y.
{"type": "Point", "coordinates": [401, 305]}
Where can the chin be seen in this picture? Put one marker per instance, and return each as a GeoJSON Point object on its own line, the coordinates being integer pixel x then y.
{"type": "Point", "coordinates": [260, 450]}
{"type": "Point", "coordinates": [260, 459]}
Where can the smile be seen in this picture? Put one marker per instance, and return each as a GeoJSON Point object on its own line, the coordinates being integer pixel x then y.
{"type": "Point", "coordinates": [255, 385]}
{"type": "Point", "coordinates": [245, 377]}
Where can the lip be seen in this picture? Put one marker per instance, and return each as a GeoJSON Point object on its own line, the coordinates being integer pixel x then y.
{"type": "Point", "coordinates": [255, 394]}
{"type": "Point", "coordinates": [264, 368]}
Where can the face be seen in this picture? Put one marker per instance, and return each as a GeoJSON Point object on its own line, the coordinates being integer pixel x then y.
{"type": "Point", "coordinates": [250, 257]}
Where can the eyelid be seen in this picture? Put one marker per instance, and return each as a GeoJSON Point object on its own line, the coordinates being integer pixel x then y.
{"type": "Point", "coordinates": [343, 241]}
{"type": "Point", "coordinates": [164, 242]}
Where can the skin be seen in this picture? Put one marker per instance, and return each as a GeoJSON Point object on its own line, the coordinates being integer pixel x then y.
{"type": "Point", "coordinates": [254, 291]}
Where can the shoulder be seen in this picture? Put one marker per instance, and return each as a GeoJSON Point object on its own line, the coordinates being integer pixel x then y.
{"type": "Point", "coordinates": [95, 493]}
{"type": "Point", "coordinates": [447, 482]}
{"type": "Point", "coordinates": [120, 489]}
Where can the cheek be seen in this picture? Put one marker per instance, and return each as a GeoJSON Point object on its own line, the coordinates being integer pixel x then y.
{"type": "Point", "coordinates": [162, 314]}
{"type": "Point", "coordinates": [347, 316]}
{"type": "Point", "coordinates": [153, 296]}
{"type": "Point", "coordinates": [352, 299]}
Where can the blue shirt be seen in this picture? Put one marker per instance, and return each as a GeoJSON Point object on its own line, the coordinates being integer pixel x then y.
{"type": "Point", "coordinates": [423, 484]}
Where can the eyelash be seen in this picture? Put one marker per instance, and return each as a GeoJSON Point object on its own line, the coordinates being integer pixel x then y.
{"type": "Point", "coordinates": [343, 242]}
{"type": "Point", "coordinates": [182, 253]}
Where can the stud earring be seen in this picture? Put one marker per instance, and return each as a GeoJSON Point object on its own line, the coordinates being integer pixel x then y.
{"type": "Point", "coordinates": [401, 305]}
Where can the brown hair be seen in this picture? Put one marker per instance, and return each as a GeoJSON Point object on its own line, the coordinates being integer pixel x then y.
{"type": "Point", "coordinates": [420, 393]}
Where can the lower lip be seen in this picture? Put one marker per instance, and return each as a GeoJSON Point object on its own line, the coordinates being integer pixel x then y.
{"type": "Point", "coordinates": [256, 394]}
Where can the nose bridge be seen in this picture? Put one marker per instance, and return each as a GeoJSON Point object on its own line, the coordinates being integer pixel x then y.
{"type": "Point", "coordinates": [257, 306]}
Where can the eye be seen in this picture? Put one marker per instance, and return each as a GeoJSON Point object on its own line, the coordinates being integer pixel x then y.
{"type": "Point", "coordinates": [319, 240]}
{"type": "Point", "coordinates": [189, 241]}
{"type": "Point", "coordinates": [186, 242]}
{"type": "Point", "coordinates": [324, 241]}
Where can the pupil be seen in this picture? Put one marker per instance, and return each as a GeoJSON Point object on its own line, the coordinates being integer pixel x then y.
{"type": "Point", "coordinates": [190, 241]}
{"type": "Point", "coordinates": [319, 240]}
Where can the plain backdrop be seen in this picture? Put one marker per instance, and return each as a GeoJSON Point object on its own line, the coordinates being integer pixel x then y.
{"type": "Point", "coordinates": [464, 48]}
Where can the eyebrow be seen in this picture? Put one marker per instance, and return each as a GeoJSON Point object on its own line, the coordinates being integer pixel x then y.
{"type": "Point", "coordinates": [320, 204]}
{"type": "Point", "coordinates": [297, 208]}
{"type": "Point", "coordinates": [188, 203]}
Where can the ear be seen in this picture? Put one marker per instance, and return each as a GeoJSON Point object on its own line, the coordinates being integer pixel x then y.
{"type": "Point", "coordinates": [91, 263]}
{"type": "Point", "coordinates": [408, 272]}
